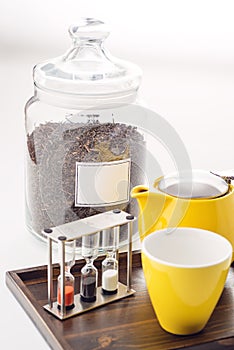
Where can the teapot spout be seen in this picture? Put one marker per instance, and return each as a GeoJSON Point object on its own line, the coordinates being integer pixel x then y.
{"type": "Point", "coordinates": [151, 209]}
{"type": "Point", "coordinates": [141, 194]}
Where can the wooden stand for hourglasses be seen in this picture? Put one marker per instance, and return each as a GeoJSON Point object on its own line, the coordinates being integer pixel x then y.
{"type": "Point", "coordinates": [72, 231]}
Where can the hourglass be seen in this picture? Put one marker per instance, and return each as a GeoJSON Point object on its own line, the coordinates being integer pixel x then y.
{"type": "Point", "coordinates": [66, 279]}
{"type": "Point", "coordinates": [110, 263]}
{"type": "Point", "coordinates": [89, 273]}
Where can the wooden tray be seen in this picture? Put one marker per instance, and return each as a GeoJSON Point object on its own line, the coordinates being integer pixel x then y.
{"type": "Point", "coordinates": [126, 324]}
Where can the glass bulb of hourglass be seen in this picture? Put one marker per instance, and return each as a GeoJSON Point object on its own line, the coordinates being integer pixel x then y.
{"type": "Point", "coordinates": [69, 254]}
{"type": "Point", "coordinates": [89, 275]}
{"type": "Point", "coordinates": [69, 290]}
{"type": "Point", "coordinates": [110, 274]}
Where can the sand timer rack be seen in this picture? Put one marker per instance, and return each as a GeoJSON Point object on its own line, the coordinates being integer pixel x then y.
{"type": "Point", "coordinates": [68, 303]}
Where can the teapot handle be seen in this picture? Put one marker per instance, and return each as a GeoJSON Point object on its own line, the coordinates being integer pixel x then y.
{"type": "Point", "coordinates": [156, 182]}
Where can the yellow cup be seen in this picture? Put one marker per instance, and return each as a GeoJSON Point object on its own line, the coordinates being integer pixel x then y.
{"type": "Point", "coordinates": [185, 271]}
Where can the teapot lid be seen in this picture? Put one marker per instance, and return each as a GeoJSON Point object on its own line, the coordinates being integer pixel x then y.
{"type": "Point", "coordinates": [193, 184]}
{"type": "Point", "coordinates": [87, 69]}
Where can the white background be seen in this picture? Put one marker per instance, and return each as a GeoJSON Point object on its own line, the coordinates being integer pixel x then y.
{"type": "Point", "coordinates": [186, 51]}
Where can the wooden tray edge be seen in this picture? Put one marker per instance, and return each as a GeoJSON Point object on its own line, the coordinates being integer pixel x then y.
{"type": "Point", "coordinates": [29, 304]}
{"type": "Point", "coordinates": [21, 295]}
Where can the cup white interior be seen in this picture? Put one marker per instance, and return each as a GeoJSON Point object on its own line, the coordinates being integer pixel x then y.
{"type": "Point", "coordinates": [186, 247]}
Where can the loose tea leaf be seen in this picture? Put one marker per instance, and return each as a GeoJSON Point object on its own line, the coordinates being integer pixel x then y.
{"type": "Point", "coordinates": [54, 149]}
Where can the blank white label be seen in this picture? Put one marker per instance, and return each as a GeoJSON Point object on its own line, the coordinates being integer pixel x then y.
{"type": "Point", "coordinates": [101, 184]}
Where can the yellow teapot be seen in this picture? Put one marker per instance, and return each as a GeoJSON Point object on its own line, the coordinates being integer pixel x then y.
{"type": "Point", "coordinates": [188, 199]}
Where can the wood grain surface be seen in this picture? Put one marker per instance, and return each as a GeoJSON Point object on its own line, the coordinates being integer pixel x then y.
{"type": "Point", "coordinates": [126, 324]}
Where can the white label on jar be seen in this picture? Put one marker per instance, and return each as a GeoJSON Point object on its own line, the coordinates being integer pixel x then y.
{"type": "Point", "coordinates": [101, 184]}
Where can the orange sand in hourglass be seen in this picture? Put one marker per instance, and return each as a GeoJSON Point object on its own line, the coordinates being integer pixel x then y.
{"type": "Point", "coordinates": [69, 296]}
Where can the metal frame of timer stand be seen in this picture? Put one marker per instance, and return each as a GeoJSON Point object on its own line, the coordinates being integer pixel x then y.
{"type": "Point", "coordinates": [72, 231]}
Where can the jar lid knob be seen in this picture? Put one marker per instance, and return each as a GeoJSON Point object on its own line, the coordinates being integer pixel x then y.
{"type": "Point", "coordinates": [88, 29]}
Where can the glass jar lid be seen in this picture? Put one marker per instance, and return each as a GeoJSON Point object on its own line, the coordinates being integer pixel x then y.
{"type": "Point", "coordinates": [87, 69]}
{"type": "Point", "coordinates": [193, 184]}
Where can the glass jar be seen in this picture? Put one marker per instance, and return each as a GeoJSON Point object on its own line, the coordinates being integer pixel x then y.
{"type": "Point", "coordinates": [84, 149]}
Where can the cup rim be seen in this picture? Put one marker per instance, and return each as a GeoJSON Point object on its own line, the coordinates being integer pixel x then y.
{"type": "Point", "coordinates": [186, 266]}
